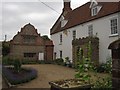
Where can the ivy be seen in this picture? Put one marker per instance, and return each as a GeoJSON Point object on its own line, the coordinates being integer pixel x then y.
{"type": "Point", "coordinates": [84, 67]}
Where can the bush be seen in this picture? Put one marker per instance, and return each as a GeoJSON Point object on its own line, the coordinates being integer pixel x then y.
{"type": "Point", "coordinates": [67, 62]}
{"type": "Point", "coordinates": [5, 48]}
{"type": "Point", "coordinates": [45, 62]}
{"type": "Point", "coordinates": [59, 61]}
{"type": "Point", "coordinates": [17, 65]}
{"type": "Point", "coordinates": [105, 82]}
{"type": "Point", "coordinates": [105, 67]}
{"type": "Point", "coordinates": [7, 61]}
{"type": "Point", "coordinates": [27, 61]}
{"type": "Point", "coordinates": [25, 75]}
{"type": "Point", "coordinates": [101, 68]}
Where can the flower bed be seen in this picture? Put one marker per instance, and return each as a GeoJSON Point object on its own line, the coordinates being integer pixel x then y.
{"type": "Point", "coordinates": [75, 84]}
{"type": "Point", "coordinates": [13, 77]}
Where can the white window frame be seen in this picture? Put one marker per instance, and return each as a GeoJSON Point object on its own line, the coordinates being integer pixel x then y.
{"type": "Point", "coordinates": [94, 11]}
{"type": "Point", "coordinates": [90, 30]}
{"type": "Point", "coordinates": [114, 26]}
{"type": "Point", "coordinates": [74, 34]}
{"type": "Point", "coordinates": [61, 39]}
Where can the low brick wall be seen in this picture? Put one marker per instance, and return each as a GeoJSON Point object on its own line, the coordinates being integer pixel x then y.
{"type": "Point", "coordinates": [82, 43]}
{"type": "Point", "coordinates": [115, 47]}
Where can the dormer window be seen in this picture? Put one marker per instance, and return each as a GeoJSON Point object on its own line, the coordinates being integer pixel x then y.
{"type": "Point", "coordinates": [94, 11]}
{"type": "Point", "coordinates": [95, 7]}
{"type": "Point", "coordinates": [63, 21]}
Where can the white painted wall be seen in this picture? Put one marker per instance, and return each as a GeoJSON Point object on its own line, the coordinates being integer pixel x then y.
{"type": "Point", "coordinates": [100, 26]}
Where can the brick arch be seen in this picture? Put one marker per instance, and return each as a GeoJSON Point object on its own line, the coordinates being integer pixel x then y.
{"type": "Point", "coordinates": [115, 47]}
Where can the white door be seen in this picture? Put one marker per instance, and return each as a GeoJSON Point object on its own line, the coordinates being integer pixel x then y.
{"type": "Point", "coordinates": [41, 56]}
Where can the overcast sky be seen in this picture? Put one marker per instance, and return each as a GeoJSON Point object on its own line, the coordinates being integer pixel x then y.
{"type": "Point", "coordinates": [17, 13]}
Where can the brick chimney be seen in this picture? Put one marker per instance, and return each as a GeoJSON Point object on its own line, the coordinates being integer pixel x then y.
{"type": "Point", "coordinates": [67, 7]}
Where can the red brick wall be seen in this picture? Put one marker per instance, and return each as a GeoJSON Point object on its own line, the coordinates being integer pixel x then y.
{"type": "Point", "coordinates": [49, 53]}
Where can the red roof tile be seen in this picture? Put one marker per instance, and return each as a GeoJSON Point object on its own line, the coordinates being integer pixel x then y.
{"type": "Point", "coordinates": [82, 14]}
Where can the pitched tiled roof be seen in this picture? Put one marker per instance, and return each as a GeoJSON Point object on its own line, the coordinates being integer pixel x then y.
{"type": "Point", "coordinates": [82, 14]}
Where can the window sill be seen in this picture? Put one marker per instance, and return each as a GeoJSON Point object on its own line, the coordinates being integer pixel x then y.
{"type": "Point", "coordinates": [60, 44]}
{"type": "Point", "coordinates": [113, 35]}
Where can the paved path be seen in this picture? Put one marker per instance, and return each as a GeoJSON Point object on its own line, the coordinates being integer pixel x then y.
{"type": "Point", "coordinates": [47, 73]}
{"type": "Point", "coordinates": [3, 83]}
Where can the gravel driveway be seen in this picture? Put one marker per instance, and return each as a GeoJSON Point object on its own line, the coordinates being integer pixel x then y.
{"type": "Point", "coordinates": [47, 73]}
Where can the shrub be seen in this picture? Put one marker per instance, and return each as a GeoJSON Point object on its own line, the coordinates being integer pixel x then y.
{"type": "Point", "coordinates": [45, 62]}
{"type": "Point", "coordinates": [105, 82]}
{"type": "Point", "coordinates": [68, 62]}
{"type": "Point", "coordinates": [5, 48]}
{"type": "Point", "coordinates": [17, 65]}
{"type": "Point", "coordinates": [25, 75]}
{"type": "Point", "coordinates": [7, 61]}
{"type": "Point", "coordinates": [105, 67]}
{"type": "Point", "coordinates": [59, 61]}
{"type": "Point", "coordinates": [100, 68]}
{"type": "Point", "coordinates": [27, 61]}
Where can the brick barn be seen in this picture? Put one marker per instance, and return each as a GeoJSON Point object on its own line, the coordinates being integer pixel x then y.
{"type": "Point", "coordinates": [28, 44]}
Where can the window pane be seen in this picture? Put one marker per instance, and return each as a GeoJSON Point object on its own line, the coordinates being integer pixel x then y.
{"type": "Point", "coordinates": [90, 30]}
{"type": "Point", "coordinates": [74, 34]}
{"type": "Point", "coordinates": [29, 54]}
{"type": "Point", "coordinates": [94, 11]}
{"type": "Point", "coordinates": [60, 38]}
{"type": "Point", "coordinates": [114, 26]}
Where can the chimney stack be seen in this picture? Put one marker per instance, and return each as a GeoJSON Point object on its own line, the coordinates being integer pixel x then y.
{"type": "Point", "coordinates": [67, 7]}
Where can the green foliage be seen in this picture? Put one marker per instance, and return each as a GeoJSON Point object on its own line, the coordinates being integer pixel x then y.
{"type": "Point", "coordinates": [85, 65]}
{"type": "Point", "coordinates": [59, 61]}
{"type": "Point", "coordinates": [25, 75]}
{"type": "Point", "coordinates": [17, 65]}
{"type": "Point", "coordinates": [89, 51]}
{"type": "Point", "coordinates": [105, 82]}
{"type": "Point", "coordinates": [108, 66]}
{"type": "Point", "coordinates": [68, 62]}
{"type": "Point", "coordinates": [15, 62]}
{"type": "Point", "coordinates": [45, 62]}
{"type": "Point", "coordinates": [5, 48]}
{"type": "Point", "coordinates": [45, 37]}
{"type": "Point", "coordinates": [66, 59]}
{"type": "Point", "coordinates": [27, 61]}
{"type": "Point", "coordinates": [7, 61]}
{"type": "Point", "coordinates": [105, 67]}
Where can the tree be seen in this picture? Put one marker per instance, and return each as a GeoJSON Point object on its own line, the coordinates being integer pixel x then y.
{"type": "Point", "coordinates": [5, 48]}
{"type": "Point", "coordinates": [45, 37]}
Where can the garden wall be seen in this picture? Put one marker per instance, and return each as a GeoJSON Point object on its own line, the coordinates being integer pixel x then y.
{"type": "Point", "coordinates": [83, 43]}
{"type": "Point", "coordinates": [115, 46]}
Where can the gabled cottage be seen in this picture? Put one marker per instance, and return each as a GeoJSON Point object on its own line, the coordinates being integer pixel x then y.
{"type": "Point", "coordinates": [93, 19]}
{"type": "Point", "coordinates": [28, 44]}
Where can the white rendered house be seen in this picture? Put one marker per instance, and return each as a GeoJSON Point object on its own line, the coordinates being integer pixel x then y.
{"type": "Point", "coordinates": [100, 19]}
